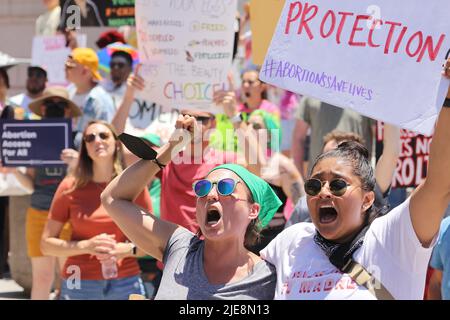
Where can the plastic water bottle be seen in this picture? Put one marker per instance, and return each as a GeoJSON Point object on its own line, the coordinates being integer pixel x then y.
{"type": "Point", "coordinates": [109, 268]}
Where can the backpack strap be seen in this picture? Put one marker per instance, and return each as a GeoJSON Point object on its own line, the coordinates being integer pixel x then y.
{"type": "Point", "coordinates": [363, 278]}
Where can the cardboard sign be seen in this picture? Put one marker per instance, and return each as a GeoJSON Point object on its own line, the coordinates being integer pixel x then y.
{"type": "Point", "coordinates": [381, 58]}
{"type": "Point", "coordinates": [33, 143]}
{"type": "Point", "coordinates": [50, 53]}
{"type": "Point", "coordinates": [98, 13]}
{"type": "Point", "coordinates": [413, 160]}
{"type": "Point", "coordinates": [186, 48]}
{"type": "Point", "coordinates": [264, 18]}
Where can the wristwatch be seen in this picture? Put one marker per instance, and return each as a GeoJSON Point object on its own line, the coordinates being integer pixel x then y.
{"type": "Point", "coordinates": [237, 118]}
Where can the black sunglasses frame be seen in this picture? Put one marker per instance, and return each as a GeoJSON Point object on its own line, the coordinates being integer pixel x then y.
{"type": "Point", "coordinates": [91, 137]}
{"type": "Point", "coordinates": [335, 190]}
{"type": "Point", "coordinates": [57, 104]}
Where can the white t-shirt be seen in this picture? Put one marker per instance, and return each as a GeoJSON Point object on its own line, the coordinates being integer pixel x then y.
{"type": "Point", "coordinates": [391, 252]}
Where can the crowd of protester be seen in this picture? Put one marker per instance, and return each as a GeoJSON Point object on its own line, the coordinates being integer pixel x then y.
{"type": "Point", "coordinates": [289, 206]}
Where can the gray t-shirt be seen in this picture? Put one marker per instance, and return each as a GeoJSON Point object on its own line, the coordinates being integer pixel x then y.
{"type": "Point", "coordinates": [184, 277]}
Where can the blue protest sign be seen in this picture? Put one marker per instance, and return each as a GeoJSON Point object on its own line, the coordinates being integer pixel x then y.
{"type": "Point", "coordinates": [33, 143]}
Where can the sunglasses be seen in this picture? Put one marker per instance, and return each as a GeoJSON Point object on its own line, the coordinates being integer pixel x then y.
{"type": "Point", "coordinates": [91, 137]}
{"type": "Point", "coordinates": [225, 187]}
{"type": "Point", "coordinates": [55, 104]}
{"type": "Point", "coordinates": [337, 187]}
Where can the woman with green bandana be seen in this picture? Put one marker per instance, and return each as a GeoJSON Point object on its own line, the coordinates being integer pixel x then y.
{"type": "Point", "coordinates": [232, 205]}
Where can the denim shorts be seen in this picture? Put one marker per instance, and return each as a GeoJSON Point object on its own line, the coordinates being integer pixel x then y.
{"type": "Point", "coordinates": [114, 289]}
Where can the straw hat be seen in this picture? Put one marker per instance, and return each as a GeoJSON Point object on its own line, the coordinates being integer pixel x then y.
{"type": "Point", "coordinates": [54, 92]}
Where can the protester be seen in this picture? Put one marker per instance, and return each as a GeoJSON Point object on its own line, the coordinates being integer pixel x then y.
{"type": "Point", "coordinates": [96, 104]}
{"type": "Point", "coordinates": [54, 103]}
{"type": "Point", "coordinates": [189, 165]}
{"type": "Point", "coordinates": [227, 212]}
{"type": "Point", "coordinates": [36, 81]}
{"type": "Point", "coordinates": [329, 258]}
{"type": "Point", "coordinates": [48, 22]}
{"type": "Point", "coordinates": [121, 66]}
{"type": "Point", "coordinates": [384, 170]}
{"type": "Point", "coordinates": [253, 96]}
{"type": "Point", "coordinates": [96, 239]}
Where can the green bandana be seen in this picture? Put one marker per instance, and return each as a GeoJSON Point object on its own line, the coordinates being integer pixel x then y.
{"type": "Point", "coordinates": [271, 123]}
{"type": "Point", "coordinates": [261, 192]}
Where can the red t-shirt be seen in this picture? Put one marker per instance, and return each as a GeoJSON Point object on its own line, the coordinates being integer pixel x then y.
{"type": "Point", "coordinates": [83, 210]}
{"type": "Point", "coordinates": [178, 201]}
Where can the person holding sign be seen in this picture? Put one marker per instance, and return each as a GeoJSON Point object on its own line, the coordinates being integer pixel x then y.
{"type": "Point", "coordinates": [98, 253]}
{"type": "Point", "coordinates": [54, 103]}
{"type": "Point", "coordinates": [231, 202]}
{"type": "Point", "coordinates": [344, 253]}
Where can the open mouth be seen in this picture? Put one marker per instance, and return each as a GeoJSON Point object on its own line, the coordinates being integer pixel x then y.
{"type": "Point", "coordinates": [213, 216]}
{"type": "Point", "coordinates": [327, 214]}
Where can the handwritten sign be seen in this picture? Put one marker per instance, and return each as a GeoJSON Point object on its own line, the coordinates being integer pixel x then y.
{"type": "Point", "coordinates": [99, 13]}
{"type": "Point", "coordinates": [26, 142]}
{"type": "Point", "coordinates": [50, 52]}
{"type": "Point", "coordinates": [381, 58]}
{"type": "Point", "coordinates": [413, 160]}
{"type": "Point", "coordinates": [145, 117]}
{"type": "Point", "coordinates": [264, 18]}
{"type": "Point", "coordinates": [186, 47]}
